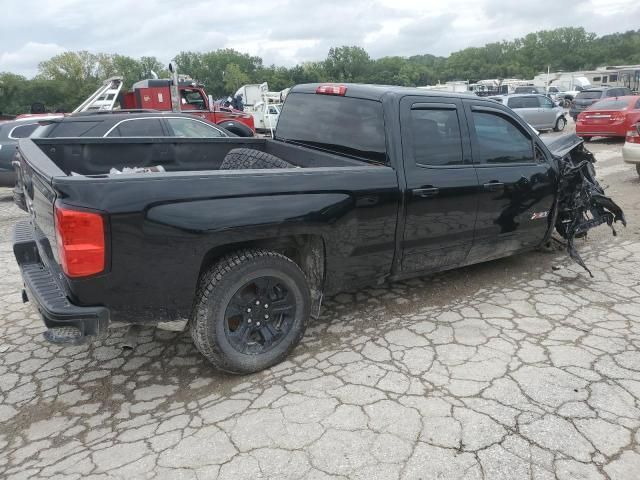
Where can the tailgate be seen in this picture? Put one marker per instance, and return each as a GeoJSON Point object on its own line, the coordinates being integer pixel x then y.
{"type": "Point", "coordinates": [36, 171]}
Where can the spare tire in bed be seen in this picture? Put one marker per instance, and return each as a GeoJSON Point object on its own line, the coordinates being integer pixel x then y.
{"type": "Point", "coordinates": [247, 158]}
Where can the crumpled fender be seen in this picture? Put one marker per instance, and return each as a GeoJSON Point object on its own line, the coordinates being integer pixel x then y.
{"type": "Point", "coordinates": [582, 204]}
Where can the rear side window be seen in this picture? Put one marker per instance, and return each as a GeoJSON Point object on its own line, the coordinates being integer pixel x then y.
{"type": "Point", "coordinates": [23, 131]}
{"type": "Point", "coordinates": [589, 95]}
{"type": "Point", "coordinates": [187, 128]}
{"type": "Point", "coordinates": [436, 137]}
{"type": "Point", "coordinates": [611, 105]}
{"type": "Point", "coordinates": [144, 127]}
{"type": "Point", "coordinates": [70, 129]}
{"type": "Point", "coordinates": [342, 125]}
{"type": "Point", "coordinates": [523, 102]}
{"type": "Point", "coordinates": [499, 140]}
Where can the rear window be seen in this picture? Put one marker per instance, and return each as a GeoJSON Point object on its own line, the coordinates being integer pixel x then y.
{"type": "Point", "coordinates": [342, 125]}
{"type": "Point", "coordinates": [590, 95]}
{"type": "Point", "coordinates": [611, 105]}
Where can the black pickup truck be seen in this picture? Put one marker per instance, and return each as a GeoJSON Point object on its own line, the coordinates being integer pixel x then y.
{"type": "Point", "coordinates": [239, 239]}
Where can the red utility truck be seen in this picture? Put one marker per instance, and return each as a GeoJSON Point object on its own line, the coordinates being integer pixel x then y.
{"type": "Point", "coordinates": [156, 94]}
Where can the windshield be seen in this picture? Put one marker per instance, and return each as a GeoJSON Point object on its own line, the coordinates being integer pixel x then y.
{"type": "Point", "coordinates": [589, 95]}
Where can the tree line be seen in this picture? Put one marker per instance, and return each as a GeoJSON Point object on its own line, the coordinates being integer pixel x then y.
{"type": "Point", "coordinates": [65, 80]}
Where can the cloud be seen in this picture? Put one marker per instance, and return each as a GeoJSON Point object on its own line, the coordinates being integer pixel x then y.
{"type": "Point", "coordinates": [25, 60]}
{"type": "Point", "coordinates": [286, 32]}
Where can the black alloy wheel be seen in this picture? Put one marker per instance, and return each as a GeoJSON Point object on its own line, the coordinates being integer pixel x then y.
{"type": "Point", "coordinates": [259, 315]}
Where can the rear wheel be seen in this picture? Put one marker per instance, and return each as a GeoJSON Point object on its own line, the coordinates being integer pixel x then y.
{"type": "Point", "coordinates": [560, 124]}
{"type": "Point", "coordinates": [251, 311]}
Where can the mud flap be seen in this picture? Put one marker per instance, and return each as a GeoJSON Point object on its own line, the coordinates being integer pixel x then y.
{"type": "Point", "coordinates": [582, 204]}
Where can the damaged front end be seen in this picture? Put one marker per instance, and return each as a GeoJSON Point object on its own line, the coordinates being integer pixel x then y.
{"type": "Point", "coordinates": [581, 203]}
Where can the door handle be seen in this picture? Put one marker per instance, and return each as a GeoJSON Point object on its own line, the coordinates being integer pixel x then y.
{"type": "Point", "coordinates": [428, 192]}
{"type": "Point", "coordinates": [493, 186]}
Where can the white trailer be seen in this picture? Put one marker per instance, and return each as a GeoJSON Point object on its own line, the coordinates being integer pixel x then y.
{"type": "Point", "coordinates": [262, 104]}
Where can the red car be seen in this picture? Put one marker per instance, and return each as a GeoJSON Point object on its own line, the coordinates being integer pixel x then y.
{"type": "Point", "coordinates": [611, 117]}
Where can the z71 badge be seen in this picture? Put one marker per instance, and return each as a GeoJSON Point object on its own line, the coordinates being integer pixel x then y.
{"type": "Point", "coordinates": [538, 215]}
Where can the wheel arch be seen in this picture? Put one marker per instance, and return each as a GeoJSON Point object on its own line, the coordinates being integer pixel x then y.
{"type": "Point", "coordinates": [306, 250]}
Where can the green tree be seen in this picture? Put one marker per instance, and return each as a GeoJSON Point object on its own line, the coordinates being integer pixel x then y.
{"type": "Point", "coordinates": [234, 78]}
{"type": "Point", "coordinates": [348, 64]}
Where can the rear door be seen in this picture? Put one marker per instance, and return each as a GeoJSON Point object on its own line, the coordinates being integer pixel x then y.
{"type": "Point", "coordinates": [527, 107]}
{"type": "Point", "coordinates": [516, 183]}
{"type": "Point", "coordinates": [547, 112]}
{"type": "Point", "coordinates": [441, 191]}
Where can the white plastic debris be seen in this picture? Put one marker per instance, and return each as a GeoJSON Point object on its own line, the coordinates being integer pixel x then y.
{"type": "Point", "coordinates": [154, 169]}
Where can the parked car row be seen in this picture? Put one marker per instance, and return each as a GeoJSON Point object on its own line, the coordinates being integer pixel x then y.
{"type": "Point", "coordinates": [116, 123]}
{"type": "Point", "coordinates": [588, 97]}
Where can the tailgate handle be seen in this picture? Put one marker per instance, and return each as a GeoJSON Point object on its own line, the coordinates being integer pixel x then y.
{"type": "Point", "coordinates": [427, 192]}
{"type": "Point", "coordinates": [493, 186]}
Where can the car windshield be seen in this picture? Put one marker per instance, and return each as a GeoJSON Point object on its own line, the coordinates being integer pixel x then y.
{"type": "Point", "coordinates": [611, 105]}
{"type": "Point", "coordinates": [589, 95]}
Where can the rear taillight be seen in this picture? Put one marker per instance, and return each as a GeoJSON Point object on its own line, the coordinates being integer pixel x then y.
{"type": "Point", "coordinates": [328, 89]}
{"type": "Point", "coordinates": [633, 136]}
{"type": "Point", "coordinates": [81, 243]}
{"type": "Point", "coordinates": [618, 117]}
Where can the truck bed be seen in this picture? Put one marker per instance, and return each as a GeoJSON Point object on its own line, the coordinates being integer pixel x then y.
{"type": "Point", "coordinates": [163, 228]}
{"type": "Point", "coordinates": [96, 156]}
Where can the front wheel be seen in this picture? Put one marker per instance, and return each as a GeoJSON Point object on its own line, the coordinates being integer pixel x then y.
{"type": "Point", "coordinates": [560, 124]}
{"type": "Point", "coordinates": [252, 308]}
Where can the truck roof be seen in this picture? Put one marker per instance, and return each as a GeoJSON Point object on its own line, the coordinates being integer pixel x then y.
{"type": "Point", "coordinates": [377, 92]}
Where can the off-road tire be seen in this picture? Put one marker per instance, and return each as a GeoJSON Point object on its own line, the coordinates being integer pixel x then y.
{"type": "Point", "coordinates": [247, 158]}
{"type": "Point", "coordinates": [560, 125]}
{"type": "Point", "coordinates": [217, 287]}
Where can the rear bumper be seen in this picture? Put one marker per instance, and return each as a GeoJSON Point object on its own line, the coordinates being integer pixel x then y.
{"type": "Point", "coordinates": [46, 292]}
{"type": "Point", "coordinates": [631, 153]}
{"type": "Point", "coordinates": [600, 131]}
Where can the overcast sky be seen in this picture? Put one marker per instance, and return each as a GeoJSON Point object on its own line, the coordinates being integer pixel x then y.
{"type": "Point", "coordinates": [286, 32]}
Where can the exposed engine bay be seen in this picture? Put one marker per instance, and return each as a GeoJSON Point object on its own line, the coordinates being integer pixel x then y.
{"type": "Point", "coordinates": [581, 202]}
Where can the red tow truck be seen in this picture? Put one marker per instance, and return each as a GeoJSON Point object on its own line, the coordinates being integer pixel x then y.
{"type": "Point", "coordinates": [156, 94]}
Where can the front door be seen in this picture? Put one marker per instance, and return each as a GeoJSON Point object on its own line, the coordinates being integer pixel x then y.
{"type": "Point", "coordinates": [441, 184]}
{"type": "Point", "coordinates": [516, 183]}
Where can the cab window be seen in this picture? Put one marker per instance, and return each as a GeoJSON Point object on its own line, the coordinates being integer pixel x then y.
{"type": "Point", "coordinates": [498, 139]}
{"type": "Point", "coordinates": [436, 136]}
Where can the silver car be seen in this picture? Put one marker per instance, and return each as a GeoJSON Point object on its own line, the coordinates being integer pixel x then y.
{"type": "Point", "coordinates": [539, 111]}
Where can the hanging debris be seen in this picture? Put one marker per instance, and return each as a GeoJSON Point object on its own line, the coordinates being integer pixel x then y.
{"type": "Point", "coordinates": [582, 203]}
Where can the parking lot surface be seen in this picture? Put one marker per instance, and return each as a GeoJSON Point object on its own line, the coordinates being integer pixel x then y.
{"type": "Point", "coordinates": [522, 368]}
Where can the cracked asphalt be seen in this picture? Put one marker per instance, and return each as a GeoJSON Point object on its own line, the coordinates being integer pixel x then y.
{"type": "Point", "coordinates": [521, 368]}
